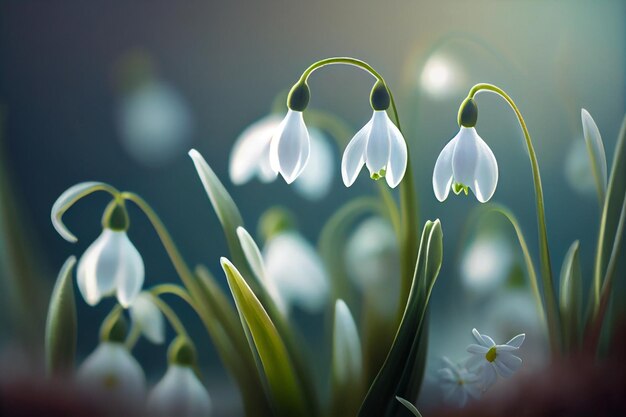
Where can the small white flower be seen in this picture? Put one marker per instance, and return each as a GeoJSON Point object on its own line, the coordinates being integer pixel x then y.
{"type": "Point", "coordinates": [490, 360]}
{"type": "Point", "coordinates": [381, 147]}
{"type": "Point", "coordinates": [290, 147]}
{"type": "Point", "coordinates": [145, 314]}
{"type": "Point", "coordinates": [466, 162]}
{"type": "Point", "coordinates": [112, 371]}
{"type": "Point", "coordinates": [250, 157]}
{"type": "Point", "coordinates": [111, 265]}
{"type": "Point", "coordinates": [296, 271]}
{"type": "Point", "coordinates": [458, 384]}
{"type": "Point", "coordinates": [179, 394]}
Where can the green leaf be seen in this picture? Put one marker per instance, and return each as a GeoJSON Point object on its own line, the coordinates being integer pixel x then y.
{"type": "Point", "coordinates": [409, 406]}
{"type": "Point", "coordinates": [61, 323]}
{"type": "Point", "coordinates": [347, 364]}
{"type": "Point", "coordinates": [69, 198]}
{"type": "Point", "coordinates": [571, 297]}
{"type": "Point", "coordinates": [595, 148]}
{"type": "Point", "coordinates": [396, 377]}
{"type": "Point", "coordinates": [286, 392]}
{"type": "Point", "coordinates": [611, 212]}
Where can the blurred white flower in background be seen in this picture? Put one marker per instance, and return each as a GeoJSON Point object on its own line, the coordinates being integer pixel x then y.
{"type": "Point", "coordinates": [113, 372]}
{"type": "Point", "coordinates": [180, 393]}
{"type": "Point", "coordinates": [372, 262]}
{"type": "Point", "coordinates": [297, 271]}
{"type": "Point", "coordinates": [577, 168]}
{"type": "Point", "coordinates": [458, 384]}
{"type": "Point", "coordinates": [250, 158]}
{"type": "Point", "coordinates": [155, 122]}
{"type": "Point", "coordinates": [145, 314]}
{"type": "Point", "coordinates": [441, 76]}
{"type": "Point", "coordinates": [486, 263]}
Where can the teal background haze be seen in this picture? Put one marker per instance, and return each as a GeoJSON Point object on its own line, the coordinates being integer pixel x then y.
{"type": "Point", "coordinates": [59, 96]}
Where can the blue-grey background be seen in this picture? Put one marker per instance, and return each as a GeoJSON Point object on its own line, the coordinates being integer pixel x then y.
{"type": "Point", "coordinates": [229, 60]}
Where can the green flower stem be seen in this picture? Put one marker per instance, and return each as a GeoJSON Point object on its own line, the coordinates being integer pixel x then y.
{"type": "Point", "coordinates": [133, 336]}
{"type": "Point", "coordinates": [175, 290]}
{"type": "Point", "coordinates": [546, 268]}
{"type": "Point", "coordinates": [172, 317]}
{"type": "Point", "coordinates": [408, 199]}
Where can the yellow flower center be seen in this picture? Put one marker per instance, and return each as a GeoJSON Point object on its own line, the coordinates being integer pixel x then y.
{"type": "Point", "coordinates": [110, 381]}
{"type": "Point", "coordinates": [491, 354]}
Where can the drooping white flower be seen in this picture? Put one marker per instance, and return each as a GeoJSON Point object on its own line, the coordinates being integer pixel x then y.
{"type": "Point", "coordinates": [179, 394]}
{"type": "Point", "coordinates": [297, 271]}
{"type": "Point", "coordinates": [290, 146]}
{"type": "Point", "coordinates": [110, 265]}
{"type": "Point", "coordinates": [347, 354]}
{"type": "Point", "coordinates": [466, 162]}
{"type": "Point", "coordinates": [145, 314]}
{"type": "Point", "coordinates": [112, 371]}
{"type": "Point", "coordinates": [381, 147]}
{"type": "Point", "coordinates": [250, 157]}
{"type": "Point", "coordinates": [490, 360]}
{"type": "Point", "coordinates": [458, 384]}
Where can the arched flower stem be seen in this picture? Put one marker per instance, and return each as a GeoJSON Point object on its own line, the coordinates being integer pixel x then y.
{"type": "Point", "coordinates": [544, 250]}
{"type": "Point", "coordinates": [408, 199]}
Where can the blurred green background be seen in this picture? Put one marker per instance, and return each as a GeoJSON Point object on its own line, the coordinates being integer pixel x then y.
{"type": "Point", "coordinates": [66, 69]}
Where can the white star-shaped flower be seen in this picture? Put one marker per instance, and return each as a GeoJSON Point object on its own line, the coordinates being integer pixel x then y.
{"type": "Point", "coordinates": [490, 359]}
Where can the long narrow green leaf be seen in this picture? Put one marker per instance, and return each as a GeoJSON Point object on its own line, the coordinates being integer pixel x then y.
{"type": "Point", "coordinates": [395, 377]}
{"type": "Point", "coordinates": [595, 149]}
{"type": "Point", "coordinates": [571, 297]}
{"type": "Point", "coordinates": [61, 323]}
{"type": "Point", "coordinates": [288, 398]}
{"type": "Point", "coordinates": [220, 320]}
{"type": "Point", "coordinates": [610, 213]}
{"type": "Point", "coordinates": [409, 406]}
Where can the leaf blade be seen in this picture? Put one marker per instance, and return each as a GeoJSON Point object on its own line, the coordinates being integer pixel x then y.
{"type": "Point", "coordinates": [570, 300]}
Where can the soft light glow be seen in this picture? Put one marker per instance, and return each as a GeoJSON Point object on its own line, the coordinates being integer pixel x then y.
{"type": "Point", "coordinates": [440, 77]}
{"type": "Point", "coordinates": [486, 263]}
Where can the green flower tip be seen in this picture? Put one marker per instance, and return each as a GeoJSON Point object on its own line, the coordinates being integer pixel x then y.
{"type": "Point", "coordinates": [181, 352]}
{"type": "Point", "coordinates": [378, 175]}
{"type": "Point", "coordinates": [299, 96]}
{"type": "Point", "coordinates": [457, 187]}
{"type": "Point", "coordinates": [115, 216]}
{"type": "Point", "coordinates": [274, 221]}
{"type": "Point", "coordinates": [114, 329]}
{"type": "Point", "coordinates": [379, 97]}
{"type": "Point", "coordinates": [468, 113]}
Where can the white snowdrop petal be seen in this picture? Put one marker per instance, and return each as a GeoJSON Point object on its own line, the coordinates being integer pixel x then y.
{"type": "Point", "coordinates": [475, 361]}
{"type": "Point", "coordinates": [442, 173]}
{"type": "Point", "coordinates": [506, 348]}
{"type": "Point", "coordinates": [488, 340]}
{"type": "Point", "coordinates": [503, 370]}
{"type": "Point", "coordinates": [488, 375]}
{"type": "Point", "coordinates": [477, 349]}
{"type": "Point", "coordinates": [316, 179]}
{"type": "Point", "coordinates": [148, 317]}
{"type": "Point", "coordinates": [96, 269]}
{"type": "Point", "coordinates": [465, 156]}
{"type": "Point", "coordinates": [250, 153]}
{"type": "Point", "coordinates": [179, 393]}
{"type": "Point", "coordinates": [517, 340]}
{"type": "Point", "coordinates": [446, 375]}
{"type": "Point", "coordinates": [479, 338]}
{"type": "Point", "coordinates": [130, 273]}
{"type": "Point", "coordinates": [354, 155]}
{"type": "Point", "coordinates": [398, 156]}
{"type": "Point", "coordinates": [377, 148]}
{"type": "Point", "coordinates": [289, 148]}
{"type": "Point", "coordinates": [486, 178]}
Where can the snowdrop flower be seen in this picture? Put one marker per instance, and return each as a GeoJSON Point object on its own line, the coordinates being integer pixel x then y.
{"type": "Point", "coordinates": [466, 162]}
{"type": "Point", "coordinates": [379, 145]}
{"type": "Point", "coordinates": [179, 393]}
{"type": "Point", "coordinates": [458, 384]}
{"type": "Point", "coordinates": [490, 360]}
{"type": "Point", "coordinates": [250, 157]}
{"type": "Point", "coordinates": [486, 263]}
{"type": "Point", "coordinates": [112, 371]}
{"type": "Point", "coordinates": [145, 314]}
{"type": "Point", "coordinates": [112, 264]}
{"type": "Point", "coordinates": [296, 270]}
{"type": "Point", "coordinates": [290, 145]}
